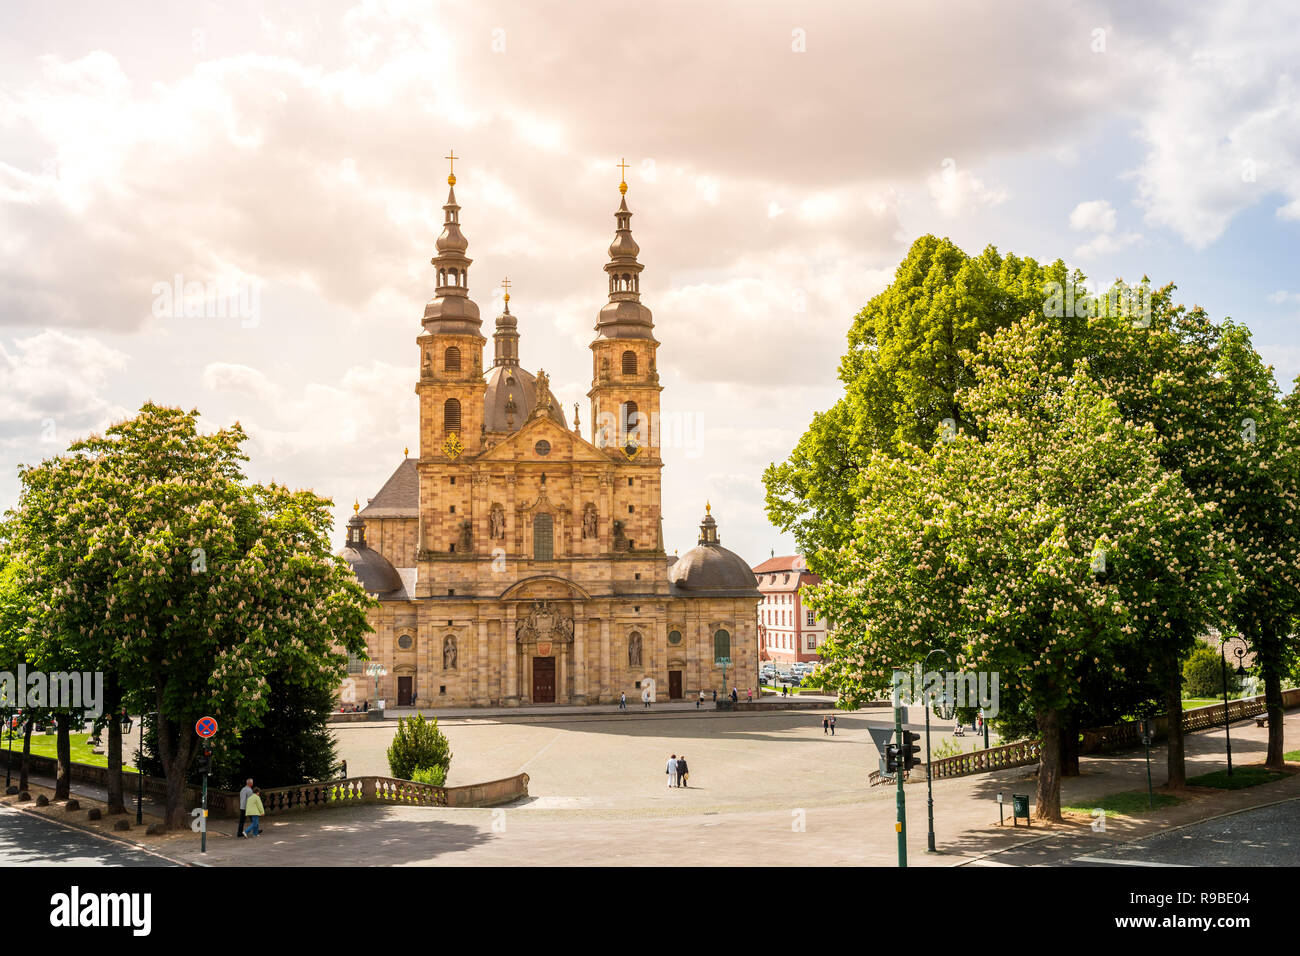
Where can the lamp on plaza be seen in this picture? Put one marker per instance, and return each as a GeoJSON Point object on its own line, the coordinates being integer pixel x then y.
{"type": "Point", "coordinates": [1227, 722]}
{"type": "Point", "coordinates": [9, 764]}
{"type": "Point", "coordinates": [929, 783]}
{"type": "Point", "coordinates": [376, 671]}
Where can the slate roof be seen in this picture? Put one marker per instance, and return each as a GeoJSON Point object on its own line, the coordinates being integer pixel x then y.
{"type": "Point", "coordinates": [400, 495]}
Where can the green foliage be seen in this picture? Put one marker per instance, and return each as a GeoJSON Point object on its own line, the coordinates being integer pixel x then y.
{"type": "Point", "coordinates": [946, 748]}
{"type": "Point", "coordinates": [417, 745]}
{"type": "Point", "coordinates": [435, 776]}
{"type": "Point", "coordinates": [908, 356]}
{"type": "Point", "coordinates": [1203, 675]}
{"type": "Point", "coordinates": [1130, 803]}
{"type": "Point", "coordinates": [1240, 779]}
{"type": "Point", "coordinates": [156, 561]}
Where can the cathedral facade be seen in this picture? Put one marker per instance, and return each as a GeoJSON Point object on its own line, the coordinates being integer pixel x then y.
{"type": "Point", "coordinates": [518, 562]}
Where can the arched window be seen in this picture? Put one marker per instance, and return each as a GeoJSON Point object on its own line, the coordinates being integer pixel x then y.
{"type": "Point", "coordinates": [631, 421]}
{"type": "Point", "coordinates": [543, 542]}
{"type": "Point", "coordinates": [451, 416]}
{"type": "Point", "coordinates": [721, 645]}
{"type": "Point", "coordinates": [629, 362]}
{"type": "Point", "coordinates": [451, 360]}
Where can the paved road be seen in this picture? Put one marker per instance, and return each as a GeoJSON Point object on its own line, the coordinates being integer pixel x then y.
{"type": "Point", "coordinates": [1268, 836]}
{"type": "Point", "coordinates": [27, 840]}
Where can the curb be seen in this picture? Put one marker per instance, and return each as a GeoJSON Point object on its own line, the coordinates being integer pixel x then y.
{"type": "Point", "coordinates": [95, 833]}
{"type": "Point", "coordinates": [1136, 840]}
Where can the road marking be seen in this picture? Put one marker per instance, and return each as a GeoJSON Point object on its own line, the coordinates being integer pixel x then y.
{"type": "Point", "coordinates": [557, 736]}
{"type": "Point", "coordinates": [1106, 862]}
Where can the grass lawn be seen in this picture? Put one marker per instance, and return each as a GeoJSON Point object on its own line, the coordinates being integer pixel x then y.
{"type": "Point", "coordinates": [793, 690]}
{"type": "Point", "coordinates": [1294, 755]}
{"type": "Point", "coordinates": [1191, 703]}
{"type": "Point", "coordinates": [1130, 803]}
{"type": "Point", "coordinates": [43, 745]}
{"type": "Point", "coordinates": [1241, 778]}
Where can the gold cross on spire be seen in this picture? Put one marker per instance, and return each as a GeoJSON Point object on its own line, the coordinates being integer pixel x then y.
{"type": "Point", "coordinates": [451, 176]}
{"type": "Point", "coordinates": [505, 284]}
{"type": "Point", "coordinates": [622, 164]}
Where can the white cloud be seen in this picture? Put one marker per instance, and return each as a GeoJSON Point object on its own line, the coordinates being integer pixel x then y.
{"type": "Point", "coordinates": [956, 191]}
{"type": "Point", "coordinates": [53, 383]}
{"type": "Point", "coordinates": [1095, 215]}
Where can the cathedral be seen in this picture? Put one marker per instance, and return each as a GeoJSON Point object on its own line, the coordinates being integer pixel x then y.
{"type": "Point", "coordinates": [516, 561]}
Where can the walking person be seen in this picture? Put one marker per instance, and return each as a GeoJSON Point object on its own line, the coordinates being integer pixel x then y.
{"type": "Point", "coordinates": [243, 805]}
{"type": "Point", "coordinates": [671, 770]}
{"type": "Point", "coordinates": [699, 700]}
{"type": "Point", "coordinates": [749, 694]}
{"type": "Point", "coordinates": [826, 726]}
{"type": "Point", "coordinates": [255, 811]}
{"type": "Point", "coordinates": [682, 771]}
{"type": "Point", "coordinates": [715, 695]}
{"type": "Point", "coordinates": [622, 701]}
{"type": "Point", "coordinates": [832, 725]}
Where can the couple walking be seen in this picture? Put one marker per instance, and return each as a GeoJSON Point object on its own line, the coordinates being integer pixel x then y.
{"type": "Point", "coordinates": [250, 806]}
{"type": "Point", "coordinates": [677, 771]}
{"type": "Point", "coordinates": [828, 725]}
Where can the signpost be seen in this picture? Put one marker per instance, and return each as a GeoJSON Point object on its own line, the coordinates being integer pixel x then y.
{"type": "Point", "coordinates": [206, 728]}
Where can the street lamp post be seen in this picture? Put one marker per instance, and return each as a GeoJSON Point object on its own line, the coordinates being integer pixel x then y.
{"type": "Point", "coordinates": [9, 764]}
{"type": "Point", "coordinates": [1227, 724]}
{"type": "Point", "coordinates": [929, 781]}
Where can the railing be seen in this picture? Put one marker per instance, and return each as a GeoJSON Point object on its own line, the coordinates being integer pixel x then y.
{"type": "Point", "coordinates": [353, 791]}
{"type": "Point", "coordinates": [1019, 754]}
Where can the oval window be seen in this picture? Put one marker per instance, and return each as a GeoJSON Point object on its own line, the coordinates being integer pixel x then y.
{"type": "Point", "coordinates": [543, 447]}
{"type": "Point", "coordinates": [404, 642]}
{"type": "Point", "coordinates": [674, 637]}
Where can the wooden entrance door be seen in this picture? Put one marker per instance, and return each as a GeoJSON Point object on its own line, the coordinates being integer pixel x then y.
{"type": "Point", "coordinates": [674, 685]}
{"type": "Point", "coordinates": [543, 680]}
{"type": "Point", "coordinates": [404, 685]}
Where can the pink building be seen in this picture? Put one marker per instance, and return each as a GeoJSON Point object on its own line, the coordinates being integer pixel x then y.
{"type": "Point", "coordinates": [787, 631]}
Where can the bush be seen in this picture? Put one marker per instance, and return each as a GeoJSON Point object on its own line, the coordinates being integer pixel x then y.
{"type": "Point", "coordinates": [418, 744]}
{"type": "Point", "coordinates": [434, 776]}
{"type": "Point", "coordinates": [1203, 675]}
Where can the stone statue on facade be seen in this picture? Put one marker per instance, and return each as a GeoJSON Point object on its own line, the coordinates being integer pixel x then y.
{"type": "Point", "coordinates": [497, 523]}
{"type": "Point", "coordinates": [634, 650]}
{"type": "Point", "coordinates": [449, 654]}
{"type": "Point", "coordinates": [589, 520]}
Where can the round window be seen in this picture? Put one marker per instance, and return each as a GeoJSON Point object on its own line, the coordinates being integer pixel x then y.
{"type": "Point", "coordinates": [543, 447]}
{"type": "Point", "coordinates": [404, 642]}
{"type": "Point", "coordinates": [674, 637]}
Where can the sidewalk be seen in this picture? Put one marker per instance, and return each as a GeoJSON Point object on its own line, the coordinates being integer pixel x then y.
{"type": "Point", "coordinates": [602, 711]}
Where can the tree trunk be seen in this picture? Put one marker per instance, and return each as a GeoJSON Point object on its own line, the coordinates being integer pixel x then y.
{"type": "Point", "coordinates": [63, 748]}
{"type": "Point", "coordinates": [1177, 766]}
{"type": "Point", "coordinates": [1273, 701]}
{"type": "Point", "coordinates": [1070, 745]}
{"type": "Point", "coordinates": [1049, 767]}
{"type": "Point", "coordinates": [114, 699]}
{"type": "Point", "coordinates": [25, 766]}
{"type": "Point", "coordinates": [174, 750]}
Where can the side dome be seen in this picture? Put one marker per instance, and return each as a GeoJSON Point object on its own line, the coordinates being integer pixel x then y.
{"type": "Point", "coordinates": [709, 569]}
{"type": "Point", "coordinates": [374, 571]}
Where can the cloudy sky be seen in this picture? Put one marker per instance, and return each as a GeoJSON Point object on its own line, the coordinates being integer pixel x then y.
{"type": "Point", "coordinates": [782, 158]}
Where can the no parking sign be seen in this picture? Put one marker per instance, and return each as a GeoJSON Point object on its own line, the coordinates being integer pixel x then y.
{"type": "Point", "coordinates": [206, 727]}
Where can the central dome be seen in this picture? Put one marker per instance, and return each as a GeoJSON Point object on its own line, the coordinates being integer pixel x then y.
{"type": "Point", "coordinates": [507, 382]}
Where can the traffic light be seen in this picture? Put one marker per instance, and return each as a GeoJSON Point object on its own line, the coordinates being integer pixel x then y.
{"type": "Point", "coordinates": [891, 760]}
{"type": "Point", "coordinates": [911, 749]}
{"type": "Point", "coordinates": [205, 760]}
